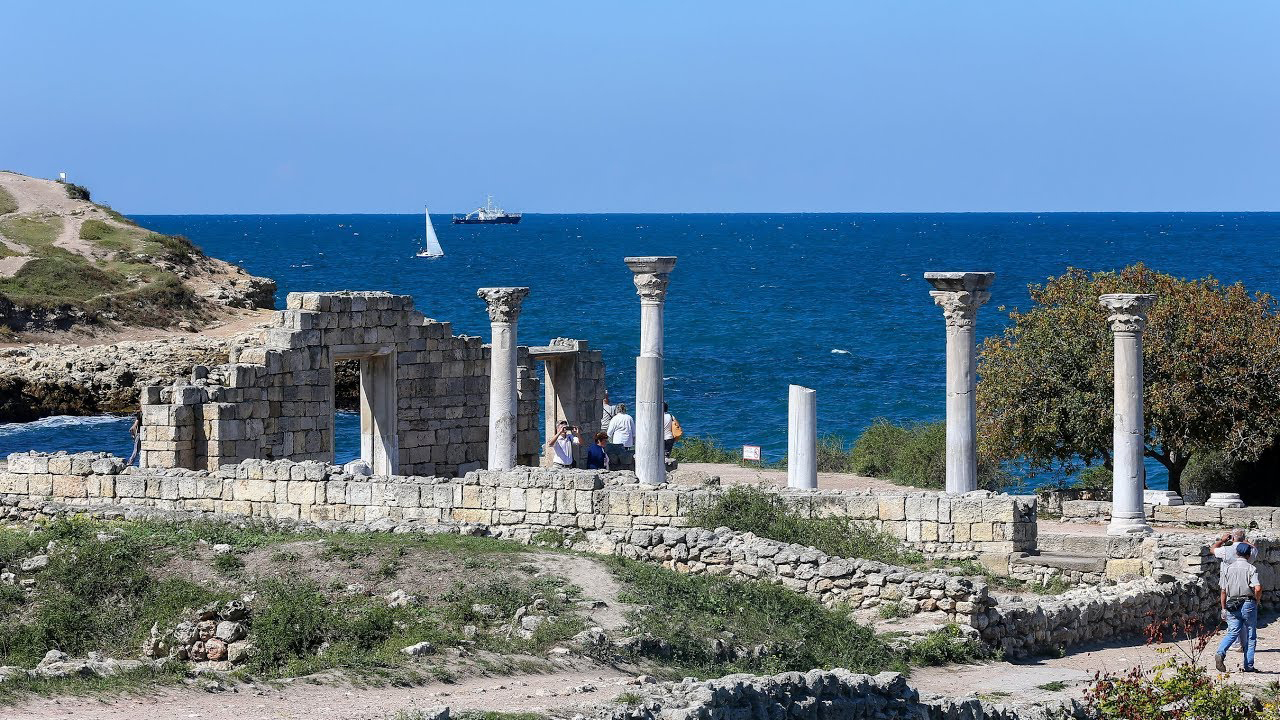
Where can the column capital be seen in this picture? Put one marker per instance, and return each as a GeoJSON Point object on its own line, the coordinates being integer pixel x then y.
{"type": "Point", "coordinates": [652, 273]}
{"type": "Point", "coordinates": [960, 294]}
{"type": "Point", "coordinates": [504, 302]}
{"type": "Point", "coordinates": [1128, 311]}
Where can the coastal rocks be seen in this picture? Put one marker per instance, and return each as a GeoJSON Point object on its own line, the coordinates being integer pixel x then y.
{"type": "Point", "coordinates": [41, 380]}
{"type": "Point", "coordinates": [215, 638]}
{"type": "Point", "coordinates": [57, 664]}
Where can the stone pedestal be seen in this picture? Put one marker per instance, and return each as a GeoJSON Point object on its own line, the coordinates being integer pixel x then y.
{"type": "Point", "coordinates": [1128, 320]}
{"type": "Point", "coordinates": [651, 277]}
{"type": "Point", "coordinates": [504, 311]}
{"type": "Point", "coordinates": [960, 294]}
{"type": "Point", "coordinates": [1161, 497]}
{"type": "Point", "coordinates": [1224, 500]}
{"type": "Point", "coordinates": [802, 437]}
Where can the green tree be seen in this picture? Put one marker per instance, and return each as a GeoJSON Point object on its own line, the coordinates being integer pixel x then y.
{"type": "Point", "coordinates": [1211, 356]}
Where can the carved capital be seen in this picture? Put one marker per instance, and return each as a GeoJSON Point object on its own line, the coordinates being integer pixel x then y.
{"type": "Point", "coordinates": [1128, 311]}
{"type": "Point", "coordinates": [652, 274]}
{"type": "Point", "coordinates": [960, 308]}
{"type": "Point", "coordinates": [504, 302]}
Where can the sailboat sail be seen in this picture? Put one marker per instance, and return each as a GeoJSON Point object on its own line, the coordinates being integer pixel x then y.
{"type": "Point", "coordinates": [433, 248]}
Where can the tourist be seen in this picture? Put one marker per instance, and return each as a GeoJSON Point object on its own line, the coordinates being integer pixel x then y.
{"type": "Point", "coordinates": [607, 411]}
{"type": "Point", "coordinates": [562, 444]}
{"type": "Point", "coordinates": [598, 455]}
{"type": "Point", "coordinates": [135, 430]}
{"type": "Point", "coordinates": [1224, 548]}
{"type": "Point", "coordinates": [622, 438]}
{"type": "Point", "coordinates": [1239, 598]}
{"type": "Point", "coordinates": [670, 428]}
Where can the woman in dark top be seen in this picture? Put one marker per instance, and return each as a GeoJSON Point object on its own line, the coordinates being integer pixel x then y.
{"type": "Point", "coordinates": [597, 459]}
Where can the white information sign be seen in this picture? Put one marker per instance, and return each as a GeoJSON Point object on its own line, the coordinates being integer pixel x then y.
{"type": "Point", "coordinates": [750, 452]}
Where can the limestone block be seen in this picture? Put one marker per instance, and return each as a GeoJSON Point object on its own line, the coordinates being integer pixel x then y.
{"type": "Point", "coordinates": [60, 465]}
{"type": "Point", "coordinates": [300, 492]}
{"type": "Point", "coordinates": [69, 486]}
{"type": "Point", "coordinates": [998, 509]}
{"type": "Point", "coordinates": [929, 531]}
{"type": "Point", "coordinates": [405, 495]}
{"type": "Point", "coordinates": [12, 483]}
{"type": "Point", "coordinates": [1246, 517]}
{"type": "Point", "coordinates": [1117, 567]}
{"type": "Point", "coordinates": [1170, 513]}
{"type": "Point", "coordinates": [892, 507]}
{"type": "Point", "coordinates": [252, 490]}
{"type": "Point", "coordinates": [169, 489]}
{"type": "Point", "coordinates": [966, 511]}
{"type": "Point", "coordinates": [130, 486]}
{"type": "Point", "coordinates": [359, 493]}
{"type": "Point", "coordinates": [1204, 515]}
{"type": "Point", "coordinates": [862, 507]}
{"type": "Point", "coordinates": [667, 504]}
{"type": "Point", "coordinates": [922, 508]}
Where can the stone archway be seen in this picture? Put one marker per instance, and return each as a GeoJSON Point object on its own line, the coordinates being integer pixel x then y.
{"type": "Point", "coordinates": [379, 441]}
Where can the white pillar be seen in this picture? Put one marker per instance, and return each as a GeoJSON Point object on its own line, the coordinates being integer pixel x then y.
{"type": "Point", "coordinates": [1128, 319]}
{"type": "Point", "coordinates": [504, 311]}
{"type": "Point", "coordinates": [802, 437]}
{"type": "Point", "coordinates": [651, 277]}
{"type": "Point", "coordinates": [960, 294]}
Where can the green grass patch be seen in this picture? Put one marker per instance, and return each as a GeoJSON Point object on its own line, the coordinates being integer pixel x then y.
{"type": "Point", "coordinates": [107, 236]}
{"type": "Point", "coordinates": [57, 279]}
{"type": "Point", "coordinates": [945, 647]}
{"type": "Point", "coordinates": [176, 249]}
{"type": "Point", "coordinates": [136, 681]}
{"type": "Point", "coordinates": [704, 450]}
{"type": "Point", "coordinates": [7, 203]}
{"type": "Point", "coordinates": [1054, 686]}
{"type": "Point", "coordinates": [711, 626]}
{"type": "Point", "coordinates": [749, 509]}
{"type": "Point", "coordinates": [35, 233]}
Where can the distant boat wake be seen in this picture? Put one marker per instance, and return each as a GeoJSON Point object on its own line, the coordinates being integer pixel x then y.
{"type": "Point", "coordinates": [838, 351]}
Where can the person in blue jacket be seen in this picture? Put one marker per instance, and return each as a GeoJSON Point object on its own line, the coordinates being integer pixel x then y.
{"type": "Point", "coordinates": [597, 458]}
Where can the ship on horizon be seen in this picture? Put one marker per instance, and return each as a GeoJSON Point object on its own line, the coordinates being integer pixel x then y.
{"type": "Point", "coordinates": [488, 214]}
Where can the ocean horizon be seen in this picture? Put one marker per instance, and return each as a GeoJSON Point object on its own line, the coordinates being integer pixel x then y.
{"type": "Point", "coordinates": [757, 301]}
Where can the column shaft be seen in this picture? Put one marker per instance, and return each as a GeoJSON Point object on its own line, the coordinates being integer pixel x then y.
{"type": "Point", "coordinates": [962, 412]}
{"type": "Point", "coordinates": [1127, 435]}
{"type": "Point", "coordinates": [502, 397]}
{"type": "Point", "coordinates": [1128, 320]}
{"type": "Point", "coordinates": [802, 437]}
{"type": "Point", "coordinates": [650, 276]}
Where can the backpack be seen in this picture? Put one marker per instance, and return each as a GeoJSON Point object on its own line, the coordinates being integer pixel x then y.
{"type": "Point", "coordinates": [677, 432]}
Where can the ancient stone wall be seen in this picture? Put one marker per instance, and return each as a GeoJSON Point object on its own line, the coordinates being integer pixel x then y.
{"type": "Point", "coordinates": [524, 498]}
{"type": "Point", "coordinates": [818, 694]}
{"type": "Point", "coordinates": [830, 580]}
{"type": "Point", "coordinates": [424, 393]}
{"type": "Point", "coordinates": [1261, 517]}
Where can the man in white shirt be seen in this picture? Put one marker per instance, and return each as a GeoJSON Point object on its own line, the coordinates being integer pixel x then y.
{"type": "Point", "coordinates": [562, 445]}
{"type": "Point", "coordinates": [607, 411]}
{"type": "Point", "coordinates": [668, 439]}
{"type": "Point", "coordinates": [1224, 548]}
{"type": "Point", "coordinates": [622, 438]}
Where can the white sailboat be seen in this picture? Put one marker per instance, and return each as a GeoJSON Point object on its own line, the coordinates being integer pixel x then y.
{"type": "Point", "coordinates": [432, 248]}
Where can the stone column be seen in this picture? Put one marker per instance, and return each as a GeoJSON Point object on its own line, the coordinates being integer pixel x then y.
{"type": "Point", "coordinates": [1128, 319]}
{"type": "Point", "coordinates": [504, 310]}
{"type": "Point", "coordinates": [802, 437]}
{"type": "Point", "coordinates": [651, 277]}
{"type": "Point", "coordinates": [960, 294]}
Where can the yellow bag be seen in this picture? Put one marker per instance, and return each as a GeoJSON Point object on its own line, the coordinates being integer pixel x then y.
{"type": "Point", "coordinates": [677, 432]}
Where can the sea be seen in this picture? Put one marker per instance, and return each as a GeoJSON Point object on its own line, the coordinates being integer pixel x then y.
{"type": "Point", "coordinates": [835, 302]}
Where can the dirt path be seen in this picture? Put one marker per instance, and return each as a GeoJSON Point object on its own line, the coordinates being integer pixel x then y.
{"type": "Point", "coordinates": [599, 587]}
{"type": "Point", "coordinates": [1025, 681]}
{"type": "Point", "coordinates": [566, 687]}
{"type": "Point", "coordinates": [736, 475]}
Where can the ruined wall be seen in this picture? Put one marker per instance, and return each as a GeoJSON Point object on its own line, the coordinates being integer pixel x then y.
{"type": "Point", "coordinates": [521, 500]}
{"type": "Point", "coordinates": [831, 580]}
{"type": "Point", "coordinates": [426, 393]}
{"type": "Point", "coordinates": [1261, 517]}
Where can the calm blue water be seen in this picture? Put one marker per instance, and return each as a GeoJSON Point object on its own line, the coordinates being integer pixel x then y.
{"type": "Point", "coordinates": [832, 301]}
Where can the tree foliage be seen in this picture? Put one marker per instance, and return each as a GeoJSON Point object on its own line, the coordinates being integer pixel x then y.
{"type": "Point", "coordinates": [1211, 370]}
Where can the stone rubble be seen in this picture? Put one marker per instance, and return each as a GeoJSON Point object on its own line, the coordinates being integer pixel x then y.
{"type": "Point", "coordinates": [213, 639]}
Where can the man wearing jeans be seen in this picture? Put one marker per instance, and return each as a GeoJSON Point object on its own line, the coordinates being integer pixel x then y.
{"type": "Point", "coordinates": [1240, 596]}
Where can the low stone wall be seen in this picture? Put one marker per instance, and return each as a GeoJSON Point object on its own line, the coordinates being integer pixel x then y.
{"type": "Point", "coordinates": [817, 694]}
{"type": "Point", "coordinates": [523, 498]}
{"type": "Point", "coordinates": [1261, 517]}
{"type": "Point", "coordinates": [826, 578]}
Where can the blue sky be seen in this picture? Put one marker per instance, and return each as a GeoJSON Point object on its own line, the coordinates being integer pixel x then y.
{"type": "Point", "coordinates": [246, 107]}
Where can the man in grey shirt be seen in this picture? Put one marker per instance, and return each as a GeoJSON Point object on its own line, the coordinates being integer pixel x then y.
{"type": "Point", "coordinates": [1240, 596]}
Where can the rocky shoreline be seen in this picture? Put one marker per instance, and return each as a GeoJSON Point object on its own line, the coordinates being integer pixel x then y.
{"type": "Point", "coordinates": [41, 380]}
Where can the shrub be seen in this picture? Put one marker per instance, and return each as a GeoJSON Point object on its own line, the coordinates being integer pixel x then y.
{"type": "Point", "coordinates": [1175, 689]}
{"type": "Point", "coordinates": [58, 277]}
{"type": "Point", "coordinates": [833, 456]}
{"type": "Point", "coordinates": [176, 249]}
{"type": "Point", "coordinates": [74, 191]}
{"type": "Point", "coordinates": [749, 509]}
{"type": "Point", "coordinates": [1208, 472]}
{"type": "Point", "coordinates": [294, 621]}
{"type": "Point", "coordinates": [876, 451]}
{"type": "Point", "coordinates": [1096, 479]}
{"type": "Point", "coordinates": [703, 450]}
{"type": "Point", "coordinates": [228, 563]}
{"type": "Point", "coordinates": [945, 647]}
{"type": "Point", "coordinates": [710, 626]}
{"type": "Point", "coordinates": [915, 455]}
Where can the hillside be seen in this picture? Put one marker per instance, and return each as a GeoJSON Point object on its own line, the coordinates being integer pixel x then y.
{"type": "Point", "coordinates": [67, 263]}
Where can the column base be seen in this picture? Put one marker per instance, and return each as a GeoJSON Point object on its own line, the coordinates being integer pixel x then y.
{"type": "Point", "coordinates": [1129, 526]}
